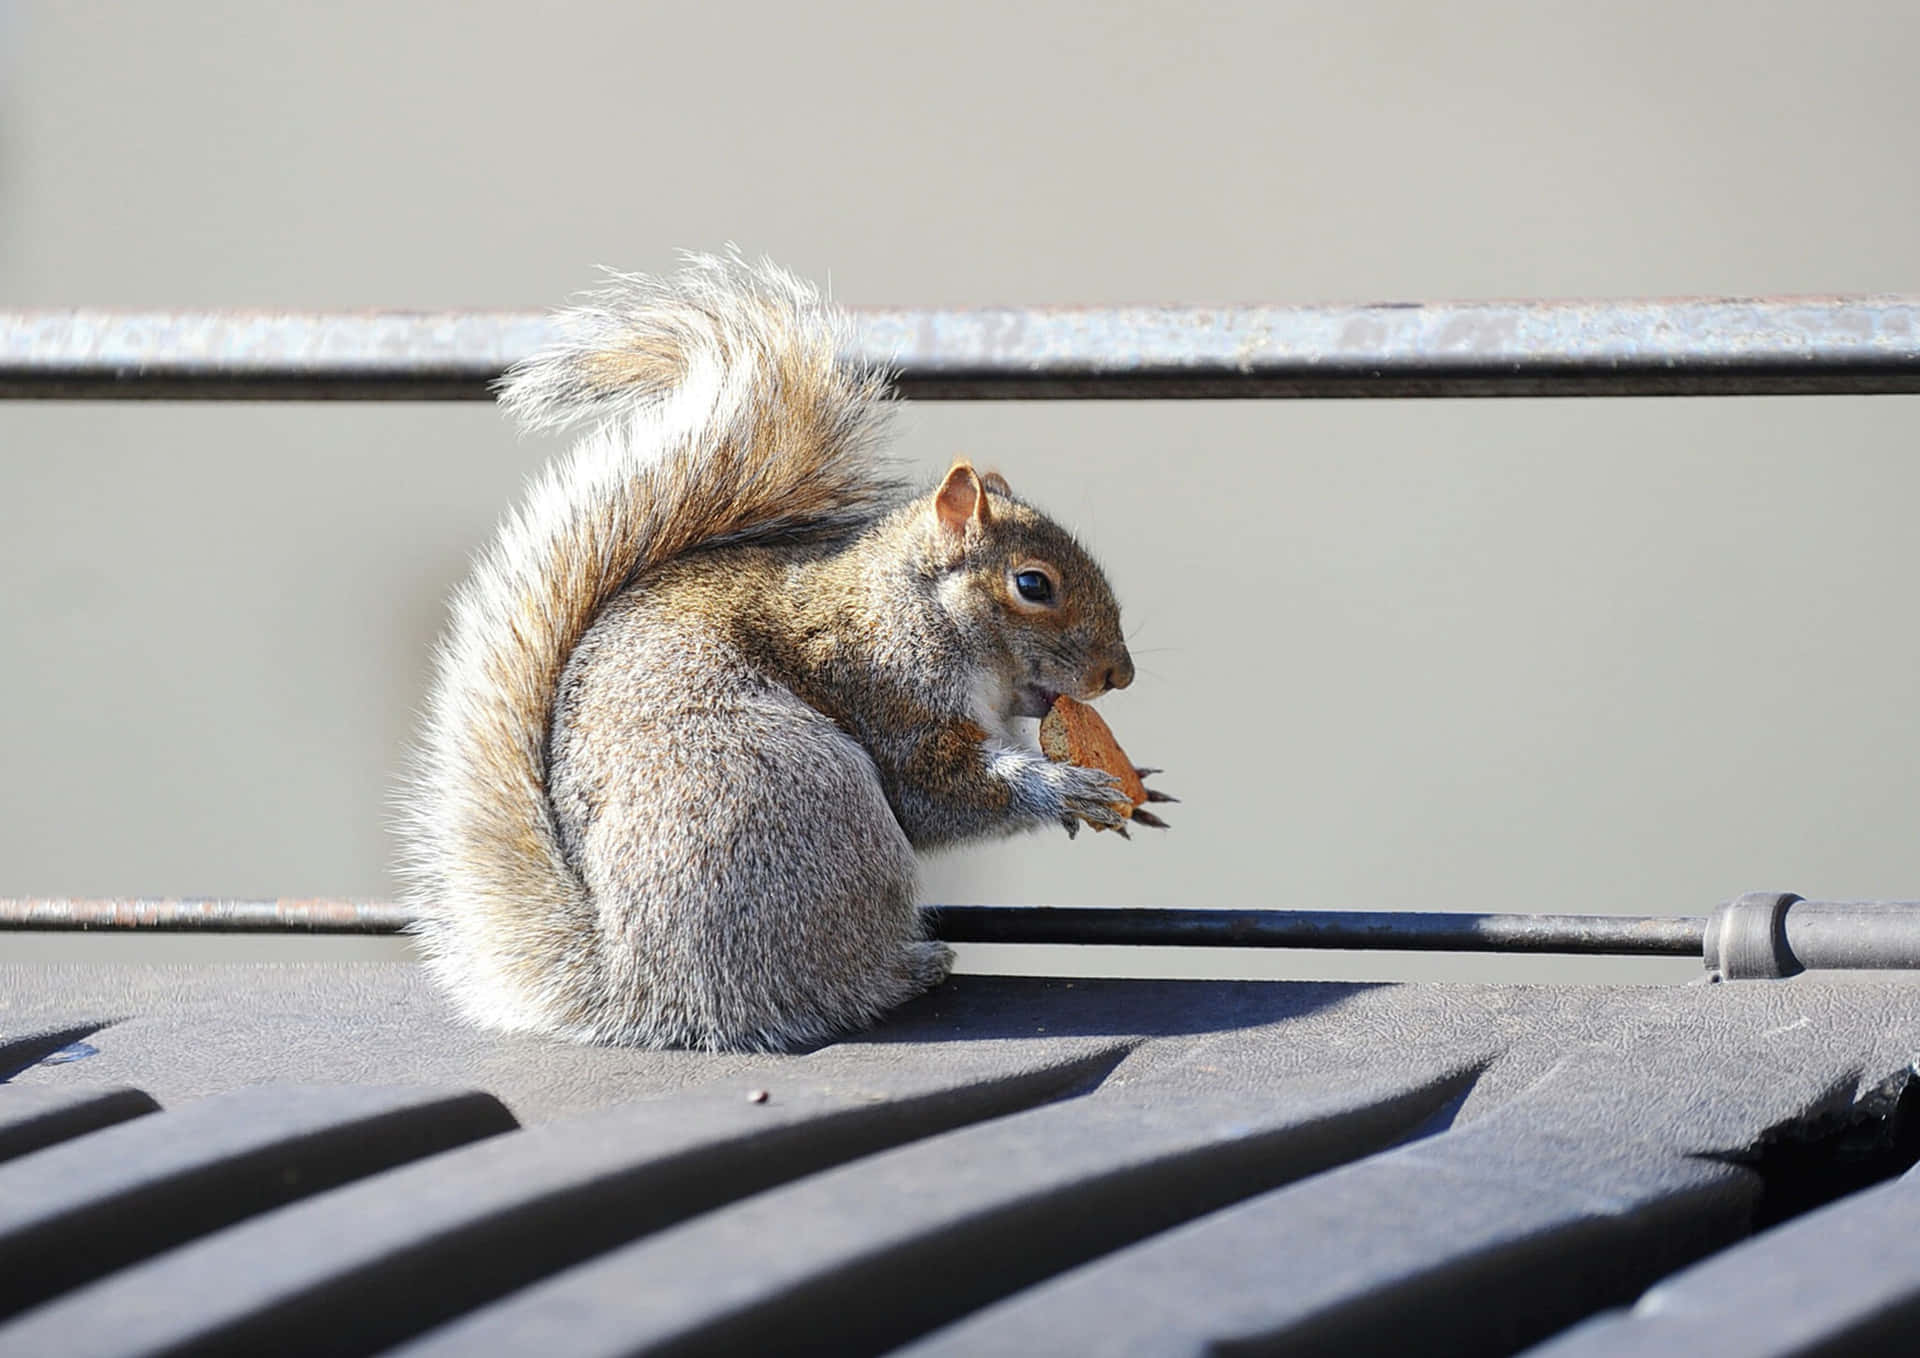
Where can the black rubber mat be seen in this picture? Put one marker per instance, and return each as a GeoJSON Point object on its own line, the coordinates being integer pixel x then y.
{"type": "Point", "coordinates": [291, 1161]}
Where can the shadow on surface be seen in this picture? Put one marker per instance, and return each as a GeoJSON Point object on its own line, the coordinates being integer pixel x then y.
{"type": "Point", "coordinates": [1000, 1007]}
{"type": "Point", "coordinates": [23, 1053]}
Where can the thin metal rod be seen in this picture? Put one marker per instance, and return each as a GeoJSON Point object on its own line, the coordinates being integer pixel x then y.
{"type": "Point", "coordinates": [1402, 930]}
{"type": "Point", "coordinates": [1420, 931]}
{"type": "Point", "coordinates": [1673, 347]}
{"type": "Point", "coordinates": [172, 915]}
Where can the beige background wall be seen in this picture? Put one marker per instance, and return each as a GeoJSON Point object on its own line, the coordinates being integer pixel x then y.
{"type": "Point", "coordinates": [1595, 656]}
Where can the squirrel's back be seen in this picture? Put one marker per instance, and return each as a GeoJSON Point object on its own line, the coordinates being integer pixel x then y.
{"type": "Point", "coordinates": [723, 411]}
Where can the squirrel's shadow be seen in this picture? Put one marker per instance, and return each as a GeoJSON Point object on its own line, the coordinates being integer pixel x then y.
{"type": "Point", "coordinates": [980, 1008]}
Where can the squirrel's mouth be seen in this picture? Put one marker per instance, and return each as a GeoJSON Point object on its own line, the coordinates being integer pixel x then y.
{"type": "Point", "coordinates": [1032, 701]}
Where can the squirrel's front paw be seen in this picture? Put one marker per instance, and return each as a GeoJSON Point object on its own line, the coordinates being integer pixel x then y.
{"type": "Point", "coordinates": [1090, 795]}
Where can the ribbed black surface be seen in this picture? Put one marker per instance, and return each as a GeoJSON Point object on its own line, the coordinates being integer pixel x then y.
{"type": "Point", "coordinates": [1841, 1280]}
{"type": "Point", "coordinates": [33, 1118]}
{"type": "Point", "coordinates": [1009, 1166]}
{"type": "Point", "coordinates": [73, 1211]}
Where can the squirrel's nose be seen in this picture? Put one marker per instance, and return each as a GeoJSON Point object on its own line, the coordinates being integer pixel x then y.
{"type": "Point", "coordinates": [1120, 673]}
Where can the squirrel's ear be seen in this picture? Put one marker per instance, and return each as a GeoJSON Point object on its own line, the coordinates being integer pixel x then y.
{"type": "Point", "coordinates": [961, 499]}
{"type": "Point", "coordinates": [997, 483]}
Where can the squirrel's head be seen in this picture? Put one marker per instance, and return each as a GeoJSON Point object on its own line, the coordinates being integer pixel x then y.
{"type": "Point", "coordinates": [1025, 591]}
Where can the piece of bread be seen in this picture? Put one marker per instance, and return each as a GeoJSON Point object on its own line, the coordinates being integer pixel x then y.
{"type": "Point", "coordinates": [1073, 733]}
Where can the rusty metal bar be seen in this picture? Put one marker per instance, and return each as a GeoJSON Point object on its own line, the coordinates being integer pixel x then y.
{"type": "Point", "coordinates": [1678, 347]}
{"type": "Point", "coordinates": [173, 915]}
{"type": "Point", "coordinates": [1140, 926]}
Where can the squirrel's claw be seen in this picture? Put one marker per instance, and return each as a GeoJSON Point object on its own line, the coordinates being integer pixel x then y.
{"type": "Point", "coordinates": [1144, 816]}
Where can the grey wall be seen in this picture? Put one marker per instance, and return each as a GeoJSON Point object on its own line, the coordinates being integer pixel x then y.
{"type": "Point", "coordinates": [1630, 656]}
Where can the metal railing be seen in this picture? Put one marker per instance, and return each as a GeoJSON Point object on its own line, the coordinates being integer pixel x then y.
{"type": "Point", "coordinates": [1680, 347]}
{"type": "Point", "coordinates": [1668, 347]}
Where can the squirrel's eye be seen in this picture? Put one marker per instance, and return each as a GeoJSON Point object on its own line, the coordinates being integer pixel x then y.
{"type": "Point", "coordinates": [1034, 586]}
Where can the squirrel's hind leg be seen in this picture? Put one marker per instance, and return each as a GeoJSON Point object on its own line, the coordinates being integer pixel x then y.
{"type": "Point", "coordinates": [929, 962]}
{"type": "Point", "coordinates": [752, 888]}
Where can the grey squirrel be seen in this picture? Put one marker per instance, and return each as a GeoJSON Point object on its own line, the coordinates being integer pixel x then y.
{"type": "Point", "coordinates": [719, 677]}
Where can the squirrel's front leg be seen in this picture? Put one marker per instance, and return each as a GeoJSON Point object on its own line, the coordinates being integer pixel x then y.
{"type": "Point", "coordinates": [1066, 793]}
{"type": "Point", "coordinates": [955, 782]}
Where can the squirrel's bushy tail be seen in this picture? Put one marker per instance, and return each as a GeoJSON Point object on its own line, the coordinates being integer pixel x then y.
{"type": "Point", "coordinates": [724, 412]}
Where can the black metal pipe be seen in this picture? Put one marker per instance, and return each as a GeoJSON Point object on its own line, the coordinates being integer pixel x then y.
{"type": "Point", "coordinates": [1678, 347]}
{"type": "Point", "coordinates": [1405, 930]}
{"type": "Point", "coordinates": [1763, 934]}
{"type": "Point", "coordinates": [1135, 926]}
